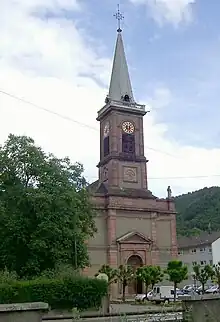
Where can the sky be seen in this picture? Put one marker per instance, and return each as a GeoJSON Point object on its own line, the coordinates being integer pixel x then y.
{"type": "Point", "coordinates": [57, 54]}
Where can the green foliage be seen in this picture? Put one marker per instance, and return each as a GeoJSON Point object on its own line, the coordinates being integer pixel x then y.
{"type": "Point", "coordinates": [7, 277]}
{"type": "Point", "coordinates": [61, 293]}
{"type": "Point", "coordinates": [125, 274]}
{"type": "Point", "coordinates": [45, 212]}
{"type": "Point", "coordinates": [198, 211]}
{"type": "Point", "coordinates": [203, 274]}
{"type": "Point", "coordinates": [144, 274]}
{"type": "Point", "coordinates": [110, 272]}
{"type": "Point", "coordinates": [60, 271]}
{"type": "Point", "coordinates": [150, 275]}
{"type": "Point", "coordinates": [156, 275]}
{"type": "Point", "coordinates": [177, 272]}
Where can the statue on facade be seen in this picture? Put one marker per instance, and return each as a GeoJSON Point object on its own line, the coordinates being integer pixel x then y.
{"type": "Point", "coordinates": [169, 193]}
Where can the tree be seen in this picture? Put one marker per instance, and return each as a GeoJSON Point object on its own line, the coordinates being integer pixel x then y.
{"type": "Point", "coordinates": [150, 275]}
{"type": "Point", "coordinates": [156, 275]}
{"type": "Point", "coordinates": [110, 272]}
{"type": "Point", "coordinates": [144, 274]}
{"type": "Point", "coordinates": [125, 275]}
{"type": "Point", "coordinates": [177, 273]}
{"type": "Point", "coordinates": [198, 212]}
{"type": "Point", "coordinates": [45, 212]}
{"type": "Point", "coordinates": [216, 274]}
{"type": "Point", "coordinates": [203, 274]}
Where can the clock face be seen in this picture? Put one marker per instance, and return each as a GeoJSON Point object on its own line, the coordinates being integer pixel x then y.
{"type": "Point", "coordinates": [128, 127]}
{"type": "Point", "coordinates": [106, 129]}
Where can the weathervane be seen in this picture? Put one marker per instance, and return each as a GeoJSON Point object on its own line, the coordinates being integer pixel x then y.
{"type": "Point", "coordinates": [118, 15]}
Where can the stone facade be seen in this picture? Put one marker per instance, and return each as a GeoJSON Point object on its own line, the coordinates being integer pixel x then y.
{"type": "Point", "coordinates": [134, 227]}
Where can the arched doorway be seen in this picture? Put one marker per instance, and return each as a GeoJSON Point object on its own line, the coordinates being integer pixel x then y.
{"type": "Point", "coordinates": [136, 286]}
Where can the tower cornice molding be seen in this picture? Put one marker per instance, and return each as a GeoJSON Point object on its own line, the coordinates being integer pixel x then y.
{"type": "Point", "coordinates": [122, 157]}
{"type": "Point", "coordinates": [126, 107]}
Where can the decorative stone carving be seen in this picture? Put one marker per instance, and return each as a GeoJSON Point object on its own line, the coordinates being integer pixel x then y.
{"type": "Point", "coordinates": [130, 174]}
{"type": "Point", "coordinates": [169, 193]}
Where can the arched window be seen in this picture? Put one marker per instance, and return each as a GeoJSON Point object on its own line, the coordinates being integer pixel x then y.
{"type": "Point", "coordinates": [126, 98]}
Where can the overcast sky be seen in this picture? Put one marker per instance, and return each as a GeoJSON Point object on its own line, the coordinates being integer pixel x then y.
{"type": "Point", "coordinates": [58, 55]}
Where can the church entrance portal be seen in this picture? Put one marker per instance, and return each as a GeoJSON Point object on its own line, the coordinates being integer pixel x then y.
{"type": "Point", "coordinates": [135, 287]}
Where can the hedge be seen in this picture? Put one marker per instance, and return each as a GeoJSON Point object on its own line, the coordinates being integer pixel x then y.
{"type": "Point", "coordinates": [66, 293]}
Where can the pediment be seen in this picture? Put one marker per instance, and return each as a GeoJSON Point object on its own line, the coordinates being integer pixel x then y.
{"type": "Point", "coordinates": [134, 237]}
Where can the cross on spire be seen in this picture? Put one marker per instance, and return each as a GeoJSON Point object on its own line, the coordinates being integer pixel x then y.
{"type": "Point", "coordinates": [118, 15]}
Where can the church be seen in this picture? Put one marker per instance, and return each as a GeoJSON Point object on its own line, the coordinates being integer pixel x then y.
{"type": "Point", "coordinates": [134, 227]}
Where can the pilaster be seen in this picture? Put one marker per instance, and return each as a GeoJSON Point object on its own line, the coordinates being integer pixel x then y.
{"type": "Point", "coordinates": [111, 237]}
{"type": "Point", "coordinates": [174, 250]}
{"type": "Point", "coordinates": [154, 251]}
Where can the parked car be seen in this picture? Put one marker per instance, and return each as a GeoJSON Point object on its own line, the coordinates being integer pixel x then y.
{"type": "Point", "coordinates": [144, 297]}
{"type": "Point", "coordinates": [199, 289]}
{"type": "Point", "coordinates": [179, 292]}
{"type": "Point", "coordinates": [212, 290]}
{"type": "Point", "coordinates": [187, 289]}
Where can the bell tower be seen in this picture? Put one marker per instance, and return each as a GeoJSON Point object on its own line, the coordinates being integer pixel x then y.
{"type": "Point", "coordinates": [122, 162]}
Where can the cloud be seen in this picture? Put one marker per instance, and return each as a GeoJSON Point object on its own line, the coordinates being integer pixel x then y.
{"type": "Point", "coordinates": [161, 98]}
{"type": "Point", "coordinates": [172, 11]}
{"type": "Point", "coordinates": [50, 63]}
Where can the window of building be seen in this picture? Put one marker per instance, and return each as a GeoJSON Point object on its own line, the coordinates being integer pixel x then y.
{"type": "Point", "coordinates": [194, 263]}
{"type": "Point", "coordinates": [211, 262]}
{"type": "Point", "coordinates": [180, 252]}
{"type": "Point", "coordinates": [202, 250]}
{"type": "Point", "coordinates": [193, 250]}
{"type": "Point", "coordinates": [128, 143]}
{"type": "Point", "coordinates": [210, 250]}
{"type": "Point", "coordinates": [203, 263]}
{"type": "Point", "coordinates": [106, 146]}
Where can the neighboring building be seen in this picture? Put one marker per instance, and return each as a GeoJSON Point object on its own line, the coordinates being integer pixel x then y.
{"type": "Point", "coordinates": [134, 226]}
{"type": "Point", "coordinates": [216, 251]}
{"type": "Point", "coordinates": [199, 250]}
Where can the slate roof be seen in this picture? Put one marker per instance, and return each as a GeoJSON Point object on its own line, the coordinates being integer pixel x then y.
{"type": "Point", "coordinates": [96, 188]}
{"type": "Point", "coordinates": [196, 241]}
{"type": "Point", "coordinates": [120, 83]}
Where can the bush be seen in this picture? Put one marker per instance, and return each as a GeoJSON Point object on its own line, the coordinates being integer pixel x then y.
{"type": "Point", "coordinates": [7, 277]}
{"type": "Point", "coordinates": [60, 293]}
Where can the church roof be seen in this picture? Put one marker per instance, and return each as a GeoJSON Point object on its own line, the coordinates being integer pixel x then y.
{"type": "Point", "coordinates": [120, 84]}
{"type": "Point", "coordinates": [104, 189]}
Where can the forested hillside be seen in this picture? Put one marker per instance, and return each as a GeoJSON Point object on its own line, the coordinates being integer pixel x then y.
{"type": "Point", "coordinates": [198, 211]}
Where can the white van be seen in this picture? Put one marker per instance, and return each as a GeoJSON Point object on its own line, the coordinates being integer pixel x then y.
{"type": "Point", "coordinates": [163, 294]}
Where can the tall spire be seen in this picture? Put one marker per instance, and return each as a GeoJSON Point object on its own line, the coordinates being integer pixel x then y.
{"type": "Point", "coordinates": [120, 84]}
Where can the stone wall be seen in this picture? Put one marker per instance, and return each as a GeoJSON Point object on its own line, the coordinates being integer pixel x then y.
{"type": "Point", "coordinates": [204, 308]}
{"type": "Point", "coordinates": [23, 312]}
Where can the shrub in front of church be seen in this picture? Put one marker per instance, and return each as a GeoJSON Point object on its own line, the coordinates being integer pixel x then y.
{"type": "Point", "coordinates": [60, 293]}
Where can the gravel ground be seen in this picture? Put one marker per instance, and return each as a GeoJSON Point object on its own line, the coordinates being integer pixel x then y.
{"type": "Point", "coordinates": [126, 308]}
{"type": "Point", "coordinates": [169, 317]}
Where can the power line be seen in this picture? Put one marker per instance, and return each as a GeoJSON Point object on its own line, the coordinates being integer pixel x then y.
{"type": "Point", "coordinates": [67, 118]}
{"type": "Point", "coordinates": [187, 177]}
{"type": "Point", "coordinates": [176, 177]}
{"type": "Point", "coordinates": [95, 129]}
